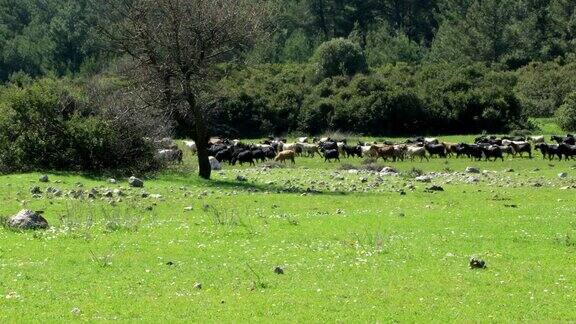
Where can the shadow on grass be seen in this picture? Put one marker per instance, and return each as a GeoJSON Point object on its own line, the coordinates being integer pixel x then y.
{"type": "Point", "coordinates": [180, 178]}
{"type": "Point", "coordinates": [249, 186]}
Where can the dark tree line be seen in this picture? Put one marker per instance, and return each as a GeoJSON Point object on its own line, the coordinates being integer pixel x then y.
{"type": "Point", "coordinates": [58, 36]}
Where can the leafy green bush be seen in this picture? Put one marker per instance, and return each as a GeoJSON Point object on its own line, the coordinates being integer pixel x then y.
{"type": "Point", "coordinates": [338, 57]}
{"type": "Point", "coordinates": [42, 126]}
{"type": "Point", "coordinates": [542, 87]}
{"type": "Point", "coordinates": [392, 100]}
{"type": "Point", "coordinates": [566, 114]}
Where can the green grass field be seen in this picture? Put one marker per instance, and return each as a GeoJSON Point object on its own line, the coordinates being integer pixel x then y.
{"type": "Point", "coordinates": [352, 246]}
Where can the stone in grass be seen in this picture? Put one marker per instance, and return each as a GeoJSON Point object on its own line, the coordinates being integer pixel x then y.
{"type": "Point", "coordinates": [112, 180]}
{"type": "Point", "coordinates": [388, 171]}
{"type": "Point", "coordinates": [27, 219]}
{"type": "Point", "coordinates": [476, 263]}
{"type": "Point", "coordinates": [471, 180]}
{"type": "Point", "coordinates": [562, 175]}
{"type": "Point", "coordinates": [135, 182]}
{"type": "Point", "coordinates": [424, 178]}
{"type": "Point", "coordinates": [434, 188]}
{"type": "Point", "coordinates": [279, 270]}
{"type": "Point", "coordinates": [472, 170]}
{"type": "Point", "coordinates": [198, 285]}
{"type": "Point", "coordinates": [43, 178]}
{"type": "Point", "coordinates": [241, 178]}
{"type": "Point", "coordinates": [189, 208]}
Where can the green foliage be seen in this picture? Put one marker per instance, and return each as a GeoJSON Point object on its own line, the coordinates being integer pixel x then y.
{"type": "Point", "coordinates": [277, 99]}
{"type": "Point", "coordinates": [43, 126]}
{"type": "Point", "coordinates": [542, 87]}
{"type": "Point", "coordinates": [338, 57]}
{"type": "Point", "coordinates": [298, 47]}
{"type": "Point", "coordinates": [53, 36]}
{"type": "Point", "coordinates": [382, 47]}
{"type": "Point", "coordinates": [566, 114]}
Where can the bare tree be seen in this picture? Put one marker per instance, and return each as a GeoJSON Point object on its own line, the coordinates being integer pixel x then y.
{"type": "Point", "coordinates": [180, 43]}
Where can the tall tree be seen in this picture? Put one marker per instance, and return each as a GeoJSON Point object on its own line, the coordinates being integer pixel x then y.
{"type": "Point", "coordinates": [180, 43]}
{"type": "Point", "coordinates": [480, 34]}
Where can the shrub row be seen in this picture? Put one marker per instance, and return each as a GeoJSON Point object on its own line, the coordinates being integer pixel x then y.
{"type": "Point", "coordinates": [43, 125]}
{"type": "Point", "coordinates": [393, 100]}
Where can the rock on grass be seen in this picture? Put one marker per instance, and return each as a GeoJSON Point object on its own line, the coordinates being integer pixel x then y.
{"type": "Point", "coordinates": [476, 263]}
{"type": "Point", "coordinates": [472, 170]}
{"type": "Point", "coordinates": [27, 220]}
{"type": "Point", "coordinates": [135, 182]}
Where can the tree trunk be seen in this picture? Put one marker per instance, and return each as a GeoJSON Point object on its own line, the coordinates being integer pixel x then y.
{"type": "Point", "coordinates": [202, 137]}
{"type": "Point", "coordinates": [204, 168]}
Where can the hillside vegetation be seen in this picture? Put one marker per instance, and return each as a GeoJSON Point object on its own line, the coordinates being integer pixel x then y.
{"type": "Point", "coordinates": [376, 67]}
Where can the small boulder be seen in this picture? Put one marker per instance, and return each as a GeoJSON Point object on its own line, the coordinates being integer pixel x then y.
{"type": "Point", "coordinates": [388, 171]}
{"type": "Point", "coordinates": [27, 219]}
{"type": "Point", "coordinates": [214, 164]}
{"type": "Point", "coordinates": [434, 188]}
{"type": "Point", "coordinates": [135, 182]}
{"type": "Point", "coordinates": [476, 263]}
{"type": "Point", "coordinates": [471, 180]}
{"type": "Point", "coordinates": [43, 178]}
{"type": "Point", "coordinates": [241, 178]}
{"type": "Point", "coordinates": [424, 178]}
{"type": "Point", "coordinates": [112, 180]}
{"type": "Point", "coordinates": [562, 175]}
{"type": "Point", "coordinates": [472, 170]}
{"type": "Point", "coordinates": [279, 270]}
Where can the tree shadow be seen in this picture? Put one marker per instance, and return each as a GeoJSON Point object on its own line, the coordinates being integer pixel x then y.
{"type": "Point", "coordinates": [255, 187]}
{"type": "Point", "coordinates": [194, 180]}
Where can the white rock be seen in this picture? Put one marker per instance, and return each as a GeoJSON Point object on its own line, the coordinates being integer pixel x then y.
{"type": "Point", "coordinates": [424, 178]}
{"type": "Point", "coordinates": [27, 219]}
{"type": "Point", "coordinates": [135, 182]}
{"type": "Point", "coordinates": [471, 180]}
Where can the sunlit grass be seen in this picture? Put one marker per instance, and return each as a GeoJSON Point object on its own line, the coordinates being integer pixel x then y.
{"type": "Point", "coordinates": [355, 247]}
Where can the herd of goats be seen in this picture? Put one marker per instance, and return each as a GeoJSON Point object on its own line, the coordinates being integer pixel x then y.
{"type": "Point", "coordinates": [422, 148]}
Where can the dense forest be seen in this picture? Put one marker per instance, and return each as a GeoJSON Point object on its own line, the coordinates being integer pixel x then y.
{"type": "Point", "coordinates": [374, 67]}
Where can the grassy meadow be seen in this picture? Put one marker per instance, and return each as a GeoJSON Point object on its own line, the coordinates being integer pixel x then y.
{"type": "Point", "coordinates": [355, 246]}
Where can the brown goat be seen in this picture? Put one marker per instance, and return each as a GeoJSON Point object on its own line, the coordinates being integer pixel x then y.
{"type": "Point", "coordinates": [285, 155]}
